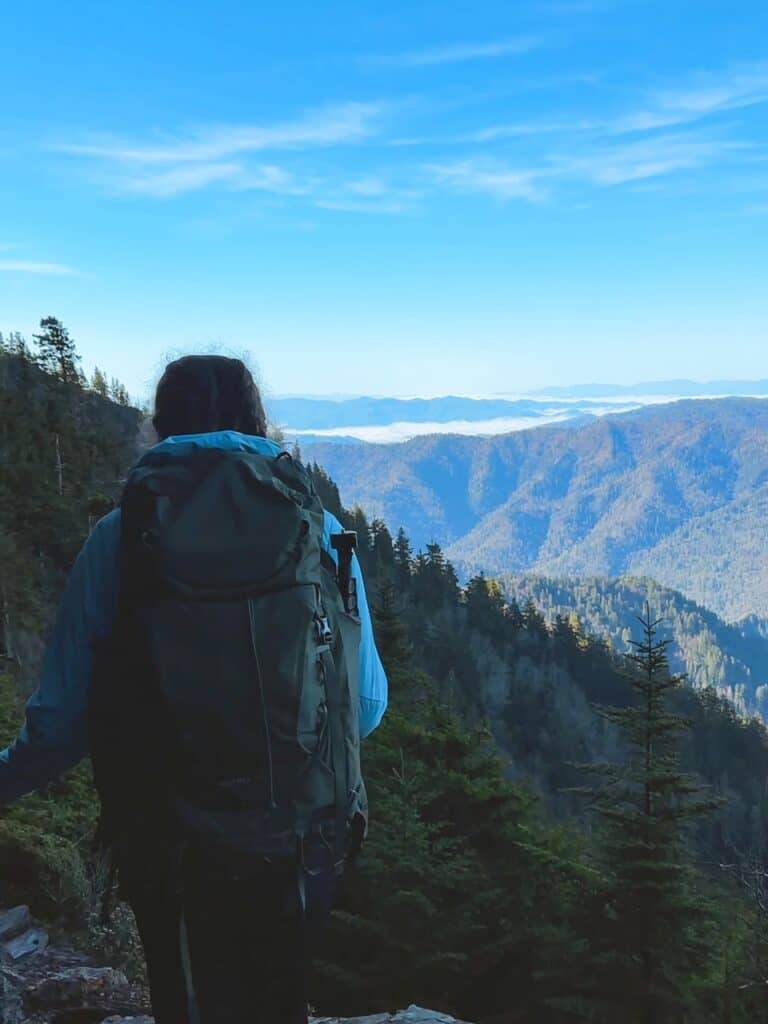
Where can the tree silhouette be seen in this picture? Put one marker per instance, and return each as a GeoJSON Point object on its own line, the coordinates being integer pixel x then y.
{"type": "Point", "coordinates": [56, 351]}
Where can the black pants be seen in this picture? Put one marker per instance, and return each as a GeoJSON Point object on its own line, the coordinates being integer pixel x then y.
{"type": "Point", "coordinates": [248, 942]}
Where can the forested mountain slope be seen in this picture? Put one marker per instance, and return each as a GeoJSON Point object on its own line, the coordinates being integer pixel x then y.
{"type": "Point", "coordinates": [677, 492]}
{"type": "Point", "coordinates": [64, 449]}
{"type": "Point", "coordinates": [539, 687]}
{"type": "Point", "coordinates": [732, 658]}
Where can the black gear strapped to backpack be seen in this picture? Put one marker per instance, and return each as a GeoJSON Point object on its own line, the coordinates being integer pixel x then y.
{"type": "Point", "coordinates": [224, 708]}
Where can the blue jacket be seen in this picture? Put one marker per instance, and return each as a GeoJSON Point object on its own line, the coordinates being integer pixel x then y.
{"type": "Point", "coordinates": [53, 737]}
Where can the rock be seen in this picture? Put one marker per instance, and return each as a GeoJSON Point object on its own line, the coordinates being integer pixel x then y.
{"type": "Point", "coordinates": [413, 1015]}
{"type": "Point", "coordinates": [62, 986]}
{"type": "Point", "coordinates": [129, 1020]}
{"type": "Point", "coordinates": [11, 985]}
{"type": "Point", "coordinates": [79, 986]}
{"type": "Point", "coordinates": [13, 922]}
{"type": "Point", "coordinates": [417, 1015]}
{"type": "Point", "coordinates": [376, 1018]}
{"type": "Point", "coordinates": [34, 940]}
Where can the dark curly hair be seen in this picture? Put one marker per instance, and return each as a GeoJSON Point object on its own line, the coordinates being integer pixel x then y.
{"type": "Point", "coordinates": [200, 394]}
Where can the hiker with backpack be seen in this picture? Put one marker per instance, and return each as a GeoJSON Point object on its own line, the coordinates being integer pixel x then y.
{"type": "Point", "coordinates": [214, 654]}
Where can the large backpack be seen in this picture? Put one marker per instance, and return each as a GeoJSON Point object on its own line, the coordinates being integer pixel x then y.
{"type": "Point", "coordinates": [224, 708]}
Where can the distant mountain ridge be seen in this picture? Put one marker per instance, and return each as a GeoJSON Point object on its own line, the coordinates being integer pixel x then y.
{"type": "Point", "coordinates": [677, 491]}
{"type": "Point", "coordinates": [330, 414]}
{"type": "Point", "coordinates": [312, 413]}
{"type": "Point", "coordinates": [669, 388]}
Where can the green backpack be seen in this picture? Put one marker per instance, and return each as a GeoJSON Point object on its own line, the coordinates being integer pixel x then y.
{"type": "Point", "coordinates": [224, 708]}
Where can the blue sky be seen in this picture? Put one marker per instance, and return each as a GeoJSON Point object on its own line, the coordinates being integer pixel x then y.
{"type": "Point", "coordinates": [391, 198]}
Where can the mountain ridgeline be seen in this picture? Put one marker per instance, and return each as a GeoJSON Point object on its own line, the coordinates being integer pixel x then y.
{"type": "Point", "coordinates": [677, 492]}
{"type": "Point", "coordinates": [317, 414]}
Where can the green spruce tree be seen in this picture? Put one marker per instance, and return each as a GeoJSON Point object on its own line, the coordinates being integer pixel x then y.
{"type": "Point", "coordinates": [651, 931]}
{"type": "Point", "coordinates": [403, 555]}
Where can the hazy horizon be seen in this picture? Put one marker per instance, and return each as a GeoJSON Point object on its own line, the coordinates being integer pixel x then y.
{"type": "Point", "coordinates": [374, 426]}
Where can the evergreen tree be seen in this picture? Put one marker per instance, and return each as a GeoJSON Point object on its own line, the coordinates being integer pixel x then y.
{"type": "Point", "coordinates": [652, 942]}
{"type": "Point", "coordinates": [356, 520]}
{"type": "Point", "coordinates": [403, 556]}
{"type": "Point", "coordinates": [434, 581]}
{"type": "Point", "coordinates": [485, 606]}
{"type": "Point", "coordinates": [533, 620]}
{"type": "Point", "coordinates": [116, 390]}
{"type": "Point", "coordinates": [391, 633]}
{"type": "Point", "coordinates": [99, 383]}
{"type": "Point", "coordinates": [461, 898]}
{"type": "Point", "coordinates": [514, 615]}
{"type": "Point", "coordinates": [327, 491]}
{"type": "Point", "coordinates": [57, 354]}
{"type": "Point", "coordinates": [383, 551]}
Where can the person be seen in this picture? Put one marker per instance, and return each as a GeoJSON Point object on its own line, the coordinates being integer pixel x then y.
{"type": "Point", "coordinates": [221, 943]}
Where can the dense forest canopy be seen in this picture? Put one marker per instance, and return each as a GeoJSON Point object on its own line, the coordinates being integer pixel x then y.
{"type": "Point", "coordinates": [558, 833]}
{"type": "Point", "coordinates": [731, 657]}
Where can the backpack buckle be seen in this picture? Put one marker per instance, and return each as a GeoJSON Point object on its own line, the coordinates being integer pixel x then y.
{"type": "Point", "coordinates": [323, 631]}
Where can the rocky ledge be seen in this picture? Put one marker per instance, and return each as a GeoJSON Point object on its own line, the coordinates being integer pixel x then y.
{"type": "Point", "coordinates": [44, 984]}
{"type": "Point", "coordinates": [413, 1015]}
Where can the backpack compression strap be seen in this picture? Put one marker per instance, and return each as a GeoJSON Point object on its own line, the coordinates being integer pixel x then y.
{"type": "Point", "coordinates": [338, 755]}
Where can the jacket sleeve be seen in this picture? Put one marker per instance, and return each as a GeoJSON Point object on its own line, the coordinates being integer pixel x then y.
{"type": "Point", "coordinates": [373, 679]}
{"type": "Point", "coordinates": [53, 737]}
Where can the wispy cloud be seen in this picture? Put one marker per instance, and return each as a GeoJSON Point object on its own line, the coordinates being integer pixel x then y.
{"type": "Point", "coordinates": [372, 194]}
{"type": "Point", "coordinates": [217, 155]}
{"type": "Point", "coordinates": [598, 165]}
{"type": "Point", "coordinates": [177, 180]}
{"type": "Point", "coordinates": [371, 186]}
{"type": "Point", "coordinates": [704, 96]}
{"type": "Point", "coordinates": [600, 150]}
{"type": "Point", "coordinates": [490, 178]}
{"type": "Point", "coordinates": [460, 52]}
{"type": "Point", "coordinates": [495, 133]}
{"type": "Point", "coordinates": [701, 97]}
{"type": "Point", "coordinates": [331, 125]}
{"type": "Point", "coordinates": [520, 130]}
{"type": "Point", "coordinates": [368, 194]}
{"type": "Point", "coordinates": [375, 205]}
{"type": "Point", "coordinates": [183, 178]}
{"type": "Point", "coordinates": [30, 267]}
{"type": "Point", "coordinates": [647, 158]}
{"type": "Point", "coordinates": [271, 178]}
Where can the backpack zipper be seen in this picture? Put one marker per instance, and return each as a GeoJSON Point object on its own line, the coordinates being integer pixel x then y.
{"type": "Point", "coordinates": [268, 741]}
